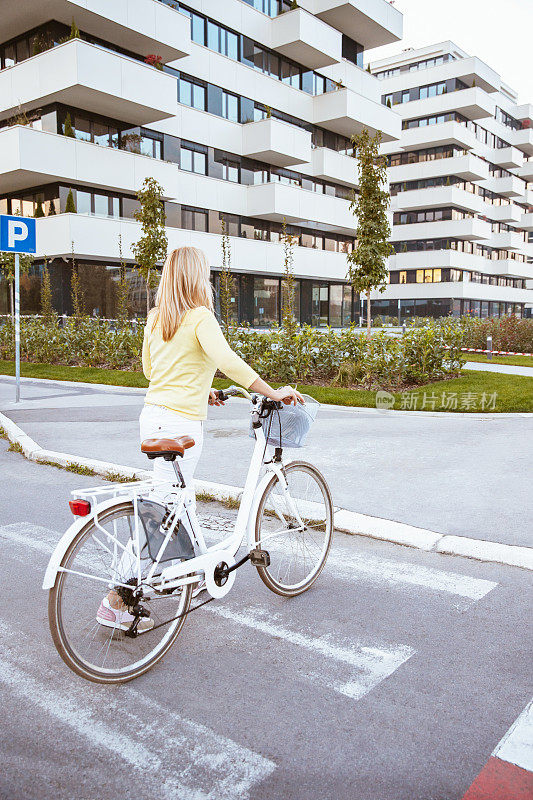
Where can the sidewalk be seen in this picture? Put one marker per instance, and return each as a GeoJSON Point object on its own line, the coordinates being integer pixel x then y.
{"type": "Point", "coordinates": [505, 369]}
{"type": "Point", "coordinates": [464, 474]}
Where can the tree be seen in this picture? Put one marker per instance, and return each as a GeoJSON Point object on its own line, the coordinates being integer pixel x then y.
{"type": "Point", "coordinates": [52, 208]}
{"type": "Point", "coordinates": [367, 265]}
{"type": "Point", "coordinates": [75, 289]}
{"type": "Point", "coordinates": [288, 317]}
{"type": "Point", "coordinates": [47, 309]}
{"type": "Point", "coordinates": [38, 210]}
{"type": "Point", "coordinates": [151, 247]}
{"type": "Point", "coordinates": [68, 130]}
{"type": "Point", "coordinates": [227, 284]}
{"type": "Point", "coordinates": [122, 290]}
{"type": "Point", "coordinates": [7, 269]}
{"type": "Point", "coordinates": [70, 207]}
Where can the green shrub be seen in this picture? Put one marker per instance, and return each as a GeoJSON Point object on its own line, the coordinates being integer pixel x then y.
{"type": "Point", "coordinates": [347, 358]}
{"type": "Point", "coordinates": [508, 333]}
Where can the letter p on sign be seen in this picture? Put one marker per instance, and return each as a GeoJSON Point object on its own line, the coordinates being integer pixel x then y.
{"type": "Point", "coordinates": [17, 234]}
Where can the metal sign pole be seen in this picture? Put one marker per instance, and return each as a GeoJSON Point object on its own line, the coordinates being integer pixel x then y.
{"type": "Point", "coordinates": [17, 328]}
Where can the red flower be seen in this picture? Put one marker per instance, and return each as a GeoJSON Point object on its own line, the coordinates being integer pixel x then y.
{"type": "Point", "coordinates": [154, 61]}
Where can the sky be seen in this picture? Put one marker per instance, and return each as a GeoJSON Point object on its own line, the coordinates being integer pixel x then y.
{"type": "Point", "coordinates": [500, 32]}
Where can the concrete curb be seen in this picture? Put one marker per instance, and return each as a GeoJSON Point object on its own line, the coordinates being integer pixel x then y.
{"type": "Point", "coordinates": [346, 521]}
{"type": "Point", "coordinates": [134, 390]}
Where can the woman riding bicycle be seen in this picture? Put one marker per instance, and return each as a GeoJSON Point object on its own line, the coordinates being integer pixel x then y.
{"type": "Point", "coordinates": [182, 349]}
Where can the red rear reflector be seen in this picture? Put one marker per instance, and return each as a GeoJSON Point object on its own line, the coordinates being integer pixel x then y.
{"type": "Point", "coordinates": [80, 508]}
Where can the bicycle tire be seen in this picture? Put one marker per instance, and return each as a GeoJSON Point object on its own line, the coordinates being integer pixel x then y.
{"type": "Point", "coordinates": [266, 573]}
{"type": "Point", "coordinates": [60, 639]}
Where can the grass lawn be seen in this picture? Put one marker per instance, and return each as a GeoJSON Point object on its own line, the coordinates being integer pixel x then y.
{"type": "Point", "coordinates": [515, 361]}
{"type": "Point", "coordinates": [514, 392]}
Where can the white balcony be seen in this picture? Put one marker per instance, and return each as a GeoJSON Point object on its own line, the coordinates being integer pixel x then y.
{"type": "Point", "coordinates": [510, 268]}
{"type": "Point", "coordinates": [508, 186]}
{"type": "Point", "coordinates": [526, 171]}
{"type": "Point", "coordinates": [469, 70]}
{"type": "Point", "coordinates": [306, 39]}
{"type": "Point", "coordinates": [468, 229]}
{"type": "Point", "coordinates": [277, 201]}
{"type": "Point", "coordinates": [438, 197]}
{"type": "Point", "coordinates": [348, 113]}
{"type": "Point", "coordinates": [526, 222]}
{"type": "Point", "coordinates": [467, 289]}
{"type": "Point", "coordinates": [524, 111]}
{"type": "Point", "coordinates": [433, 135]}
{"type": "Point", "coordinates": [472, 103]}
{"type": "Point", "coordinates": [523, 139]}
{"type": "Point", "coordinates": [508, 240]}
{"type": "Point", "coordinates": [421, 259]}
{"type": "Point", "coordinates": [276, 142]}
{"type": "Point", "coordinates": [468, 167]}
{"type": "Point", "coordinates": [506, 157]}
{"type": "Point", "coordinates": [371, 22]}
{"type": "Point", "coordinates": [97, 238]}
{"type": "Point", "coordinates": [507, 213]}
{"type": "Point", "coordinates": [141, 26]}
{"type": "Point", "coordinates": [89, 77]}
{"type": "Point", "coordinates": [353, 77]}
{"type": "Point", "coordinates": [31, 158]}
{"type": "Point", "coordinates": [332, 166]}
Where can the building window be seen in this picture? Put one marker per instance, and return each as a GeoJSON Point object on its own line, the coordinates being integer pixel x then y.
{"type": "Point", "coordinates": [230, 106]}
{"type": "Point", "coordinates": [192, 94]}
{"type": "Point", "coordinates": [193, 219]}
{"type": "Point", "coordinates": [231, 170]}
{"type": "Point", "coordinates": [266, 301]}
{"type": "Point", "coordinates": [193, 160]}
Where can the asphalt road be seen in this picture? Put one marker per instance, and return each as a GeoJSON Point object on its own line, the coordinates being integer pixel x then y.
{"type": "Point", "coordinates": [392, 679]}
{"type": "Point", "coordinates": [463, 474]}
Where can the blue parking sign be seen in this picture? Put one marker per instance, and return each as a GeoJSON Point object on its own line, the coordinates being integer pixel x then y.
{"type": "Point", "coordinates": [17, 234]}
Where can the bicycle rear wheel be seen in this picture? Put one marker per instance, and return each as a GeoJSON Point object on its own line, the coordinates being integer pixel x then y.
{"type": "Point", "coordinates": [96, 561]}
{"type": "Point", "coordinates": [296, 528]}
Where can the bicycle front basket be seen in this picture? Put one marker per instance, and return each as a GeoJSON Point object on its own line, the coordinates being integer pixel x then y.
{"type": "Point", "coordinates": [290, 426]}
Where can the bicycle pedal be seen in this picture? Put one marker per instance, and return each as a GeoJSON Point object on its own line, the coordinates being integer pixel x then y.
{"type": "Point", "coordinates": [260, 558]}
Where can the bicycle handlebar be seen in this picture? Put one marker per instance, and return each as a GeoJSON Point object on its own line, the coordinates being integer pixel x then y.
{"type": "Point", "coordinates": [231, 391]}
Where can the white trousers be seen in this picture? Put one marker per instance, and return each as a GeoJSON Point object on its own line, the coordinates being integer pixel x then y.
{"type": "Point", "coordinates": [157, 422]}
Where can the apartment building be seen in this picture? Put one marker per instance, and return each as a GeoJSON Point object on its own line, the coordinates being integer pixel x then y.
{"type": "Point", "coordinates": [241, 110]}
{"type": "Point", "coordinates": [461, 183]}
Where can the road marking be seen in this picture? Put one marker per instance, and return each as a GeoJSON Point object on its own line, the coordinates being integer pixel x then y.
{"type": "Point", "coordinates": [188, 760]}
{"type": "Point", "coordinates": [517, 744]}
{"type": "Point", "coordinates": [349, 566]}
{"type": "Point", "coordinates": [370, 665]}
{"type": "Point", "coordinates": [509, 771]}
{"type": "Point", "coordinates": [346, 566]}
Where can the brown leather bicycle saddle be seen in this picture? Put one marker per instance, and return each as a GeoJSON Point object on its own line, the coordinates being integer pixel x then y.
{"type": "Point", "coordinates": [167, 448]}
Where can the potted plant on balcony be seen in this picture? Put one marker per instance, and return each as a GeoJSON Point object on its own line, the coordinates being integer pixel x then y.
{"type": "Point", "coordinates": [154, 61]}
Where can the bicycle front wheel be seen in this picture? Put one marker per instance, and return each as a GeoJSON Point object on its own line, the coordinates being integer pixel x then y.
{"type": "Point", "coordinates": [101, 558]}
{"type": "Point", "coordinates": [294, 525]}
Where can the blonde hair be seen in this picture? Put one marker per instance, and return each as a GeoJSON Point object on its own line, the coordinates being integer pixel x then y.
{"type": "Point", "coordinates": [184, 285]}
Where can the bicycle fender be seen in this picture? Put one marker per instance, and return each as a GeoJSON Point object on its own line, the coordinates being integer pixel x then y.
{"type": "Point", "coordinates": [66, 540]}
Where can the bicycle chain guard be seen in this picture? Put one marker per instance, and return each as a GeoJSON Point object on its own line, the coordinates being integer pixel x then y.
{"type": "Point", "coordinates": [216, 587]}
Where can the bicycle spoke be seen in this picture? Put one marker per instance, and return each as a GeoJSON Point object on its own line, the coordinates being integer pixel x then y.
{"type": "Point", "coordinates": [299, 546]}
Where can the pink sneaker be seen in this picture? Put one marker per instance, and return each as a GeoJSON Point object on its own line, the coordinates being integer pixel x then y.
{"type": "Point", "coordinates": [120, 618]}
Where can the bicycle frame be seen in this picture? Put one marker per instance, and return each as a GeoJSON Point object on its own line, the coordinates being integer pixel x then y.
{"type": "Point", "coordinates": [206, 558]}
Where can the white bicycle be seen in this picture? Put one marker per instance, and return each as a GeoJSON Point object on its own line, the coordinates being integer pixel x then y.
{"type": "Point", "coordinates": [142, 549]}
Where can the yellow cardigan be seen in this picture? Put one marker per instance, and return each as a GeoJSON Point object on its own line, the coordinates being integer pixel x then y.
{"type": "Point", "coordinates": [181, 370]}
